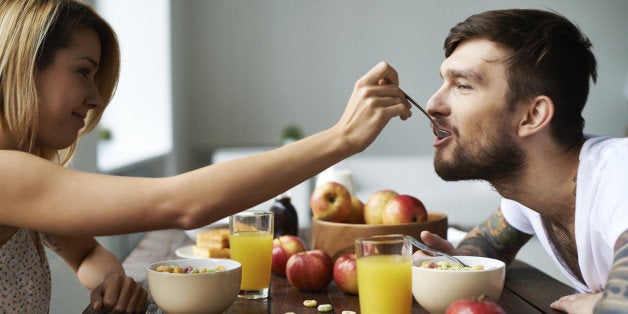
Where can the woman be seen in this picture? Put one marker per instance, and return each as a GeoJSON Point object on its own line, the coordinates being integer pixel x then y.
{"type": "Point", "coordinates": [59, 64]}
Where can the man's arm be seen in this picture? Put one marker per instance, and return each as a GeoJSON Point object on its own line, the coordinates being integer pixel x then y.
{"type": "Point", "coordinates": [494, 238]}
{"type": "Point", "coordinates": [615, 296]}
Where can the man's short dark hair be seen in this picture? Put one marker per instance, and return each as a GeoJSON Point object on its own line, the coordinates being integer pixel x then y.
{"type": "Point", "coordinates": [549, 56]}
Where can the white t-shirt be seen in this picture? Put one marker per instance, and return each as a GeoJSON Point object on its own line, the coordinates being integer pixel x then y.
{"type": "Point", "coordinates": [601, 211]}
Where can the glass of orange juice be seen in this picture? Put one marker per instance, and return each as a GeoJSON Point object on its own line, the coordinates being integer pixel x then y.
{"type": "Point", "coordinates": [251, 244]}
{"type": "Point", "coordinates": [384, 265]}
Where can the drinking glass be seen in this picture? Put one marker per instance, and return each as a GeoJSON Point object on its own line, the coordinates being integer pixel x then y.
{"type": "Point", "coordinates": [251, 244]}
{"type": "Point", "coordinates": [384, 266]}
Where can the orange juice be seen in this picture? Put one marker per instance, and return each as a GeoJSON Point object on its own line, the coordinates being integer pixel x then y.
{"type": "Point", "coordinates": [385, 284]}
{"type": "Point", "coordinates": [253, 250]}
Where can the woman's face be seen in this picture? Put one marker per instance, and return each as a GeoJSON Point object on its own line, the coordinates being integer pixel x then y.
{"type": "Point", "coordinates": [67, 91]}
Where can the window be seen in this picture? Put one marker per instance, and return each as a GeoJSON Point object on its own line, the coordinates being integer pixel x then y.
{"type": "Point", "coordinates": [139, 117]}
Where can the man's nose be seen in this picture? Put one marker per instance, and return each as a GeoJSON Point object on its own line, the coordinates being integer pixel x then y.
{"type": "Point", "coordinates": [435, 105]}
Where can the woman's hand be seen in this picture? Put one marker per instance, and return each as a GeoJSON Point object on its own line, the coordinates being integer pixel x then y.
{"type": "Point", "coordinates": [375, 100]}
{"type": "Point", "coordinates": [99, 270]}
{"type": "Point", "coordinates": [434, 241]}
{"type": "Point", "coordinates": [577, 303]}
{"type": "Point", "coordinates": [119, 294]}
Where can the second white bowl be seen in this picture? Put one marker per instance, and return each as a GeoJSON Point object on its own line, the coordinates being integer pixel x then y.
{"type": "Point", "coordinates": [435, 289]}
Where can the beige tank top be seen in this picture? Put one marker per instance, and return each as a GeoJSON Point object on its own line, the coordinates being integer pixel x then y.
{"type": "Point", "coordinates": [24, 274]}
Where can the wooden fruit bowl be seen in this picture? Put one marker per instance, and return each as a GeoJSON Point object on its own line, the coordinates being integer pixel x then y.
{"type": "Point", "coordinates": [339, 238]}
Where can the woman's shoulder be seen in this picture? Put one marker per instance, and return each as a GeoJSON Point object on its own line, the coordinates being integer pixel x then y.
{"type": "Point", "coordinates": [23, 172]}
{"type": "Point", "coordinates": [18, 160]}
{"type": "Point", "coordinates": [15, 154]}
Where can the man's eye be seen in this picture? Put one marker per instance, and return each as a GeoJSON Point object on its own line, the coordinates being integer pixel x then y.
{"type": "Point", "coordinates": [464, 86]}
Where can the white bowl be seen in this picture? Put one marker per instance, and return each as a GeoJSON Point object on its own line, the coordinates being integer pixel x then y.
{"type": "Point", "coordinates": [435, 289]}
{"type": "Point", "coordinates": [212, 292]}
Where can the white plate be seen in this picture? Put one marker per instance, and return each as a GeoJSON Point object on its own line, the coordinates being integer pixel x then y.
{"type": "Point", "coordinates": [185, 252]}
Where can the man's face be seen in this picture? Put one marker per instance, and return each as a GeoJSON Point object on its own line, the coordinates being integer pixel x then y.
{"type": "Point", "coordinates": [471, 105]}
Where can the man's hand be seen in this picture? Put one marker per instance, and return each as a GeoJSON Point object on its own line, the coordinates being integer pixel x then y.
{"type": "Point", "coordinates": [577, 303]}
{"type": "Point", "coordinates": [434, 241]}
{"type": "Point", "coordinates": [119, 294]}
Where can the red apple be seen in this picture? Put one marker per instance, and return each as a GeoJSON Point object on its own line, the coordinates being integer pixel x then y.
{"type": "Point", "coordinates": [404, 209]}
{"type": "Point", "coordinates": [331, 201]}
{"type": "Point", "coordinates": [474, 306]}
{"type": "Point", "coordinates": [374, 206]}
{"type": "Point", "coordinates": [310, 270]}
{"type": "Point", "coordinates": [283, 247]}
{"type": "Point", "coordinates": [356, 215]}
{"type": "Point", "coordinates": [346, 274]}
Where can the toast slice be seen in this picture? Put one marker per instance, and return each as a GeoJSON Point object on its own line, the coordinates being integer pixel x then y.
{"type": "Point", "coordinates": [214, 238]}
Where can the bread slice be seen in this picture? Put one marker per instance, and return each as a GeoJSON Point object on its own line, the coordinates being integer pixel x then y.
{"type": "Point", "coordinates": [214, 238]}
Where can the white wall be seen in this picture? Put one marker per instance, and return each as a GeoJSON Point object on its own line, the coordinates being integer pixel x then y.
{"type": "Point", "coordinates": [245, 69]}
{"type": "Point", "coordinates": [145, 87]}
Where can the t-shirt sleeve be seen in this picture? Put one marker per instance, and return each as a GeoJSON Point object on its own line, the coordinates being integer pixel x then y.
{"type": "Point", "coordinates": [614, 194]}
{"type": "Point", "coordinates": [516, 216]}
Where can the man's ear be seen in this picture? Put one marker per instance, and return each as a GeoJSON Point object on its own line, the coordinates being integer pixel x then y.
{"type": "Point", "coordinates": [536, 115]}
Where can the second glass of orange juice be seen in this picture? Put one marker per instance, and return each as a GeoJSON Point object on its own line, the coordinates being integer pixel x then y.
{"type": "Point", "coordinates": [251, 244]}
{"type": "Point", "coordinates": [384, 265]}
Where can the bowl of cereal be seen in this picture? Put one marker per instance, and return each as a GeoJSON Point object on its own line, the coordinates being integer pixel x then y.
{"type": "Point", "coordinates": [437, 282]}
{"type": "Point", "coordinates": [194, 285]}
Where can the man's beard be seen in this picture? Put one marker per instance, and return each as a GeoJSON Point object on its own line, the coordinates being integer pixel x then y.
{"type": "Point", "coordinates": [499, 162]}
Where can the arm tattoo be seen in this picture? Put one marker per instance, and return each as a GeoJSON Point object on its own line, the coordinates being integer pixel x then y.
{"type": "Point", "coordinates": [615, 296]}
{"type": "Point", "coordinates": [494, 238]}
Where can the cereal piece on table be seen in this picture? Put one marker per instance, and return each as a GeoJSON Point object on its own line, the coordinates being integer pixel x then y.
{"type": "Point", "coordinates": [325, 308]}
{"type": "Point", "coordinates": [310, 303]}
{"type": "Point", "coordinates": [348, 312]}
{"type": "Point", "coordinates": [290, 313]}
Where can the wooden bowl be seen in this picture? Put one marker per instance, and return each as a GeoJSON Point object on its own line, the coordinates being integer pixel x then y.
{"type": "Point", "coordinates": [339, 238]}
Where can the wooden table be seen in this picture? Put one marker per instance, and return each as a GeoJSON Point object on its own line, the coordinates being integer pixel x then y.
{"type": "Point", "coordinates": [527, 289]}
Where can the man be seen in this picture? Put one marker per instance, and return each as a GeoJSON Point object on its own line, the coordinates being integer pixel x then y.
{"type": "Point", "coordinates": [514, 86]}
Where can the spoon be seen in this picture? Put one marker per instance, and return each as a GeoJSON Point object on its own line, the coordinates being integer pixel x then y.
{"type": "Point", "coordinates": [428, 249]}
{"type": "Point", "coordinates": [440, 133]}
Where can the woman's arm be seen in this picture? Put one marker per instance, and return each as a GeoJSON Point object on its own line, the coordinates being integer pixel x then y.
{"type": "Point", "coordinates": [98, 270]}
{"type": "Point", "coordinates": [39, 195]}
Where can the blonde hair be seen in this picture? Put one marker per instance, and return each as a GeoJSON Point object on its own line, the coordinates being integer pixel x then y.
{"type": "Point", "coordinates": [31, 33]}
